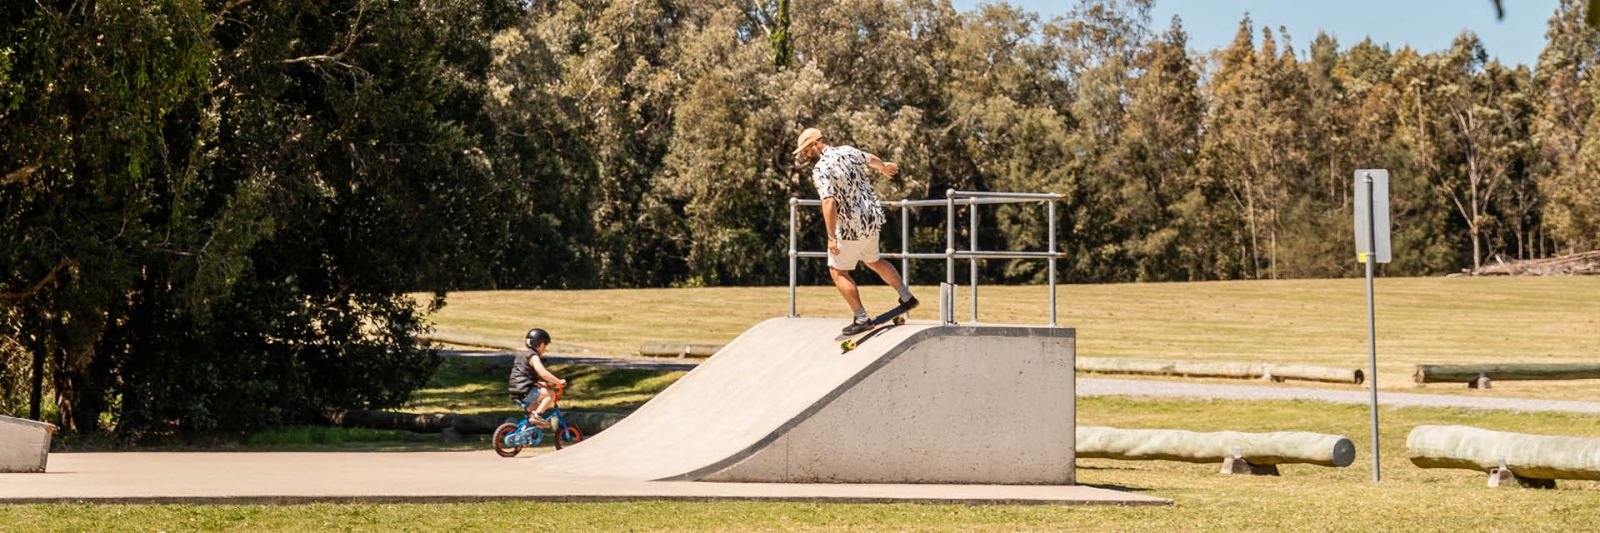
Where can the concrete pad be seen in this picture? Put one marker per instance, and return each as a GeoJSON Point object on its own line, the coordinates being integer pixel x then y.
{"type": "Point", "coordinates": [291, 477]}
{"type": "Point", "coordinates": [24, 444]}
{"type": "Point", "coordinates": [920, 403]}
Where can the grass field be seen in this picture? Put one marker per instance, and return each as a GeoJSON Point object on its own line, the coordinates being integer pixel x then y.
{"type": "Point", "coordinates": [1420, 320]}
{"type": "Point", "coordinates": [1304, 498]}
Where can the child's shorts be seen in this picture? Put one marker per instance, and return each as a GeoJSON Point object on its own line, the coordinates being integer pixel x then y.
{"type": "Point", "coordinates": [528, 398]}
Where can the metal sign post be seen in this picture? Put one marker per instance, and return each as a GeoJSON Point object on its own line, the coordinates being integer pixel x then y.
{"type": "Point", "coordinates": [1372, 246]}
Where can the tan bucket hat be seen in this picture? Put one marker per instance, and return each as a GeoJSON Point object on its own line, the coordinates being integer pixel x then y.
{"type": "Point", "coordinates": [810, 135]}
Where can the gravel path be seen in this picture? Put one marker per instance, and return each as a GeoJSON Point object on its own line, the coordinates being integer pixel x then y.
{"type": "Point", "coordinates": [1176, 389]}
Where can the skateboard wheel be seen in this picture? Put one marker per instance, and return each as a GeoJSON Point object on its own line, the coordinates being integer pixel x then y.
{"type": "Point", "coordinates": [899, 320]}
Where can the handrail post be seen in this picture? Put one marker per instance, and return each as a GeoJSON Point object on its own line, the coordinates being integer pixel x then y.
{"type": "Point", "coordinates": [972, 266]}
{"type": "Point", "coordinates": [794, 253]}
{"type": "Point", "coordinates": [1051, 208]}
{"type": "Point", "coordinates": [950, 237]}
{"type": "Point", "coordinates": [905, 246]}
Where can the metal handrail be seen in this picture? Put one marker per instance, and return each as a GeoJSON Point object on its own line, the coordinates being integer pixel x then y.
{"type": "Point", "coordinates": [934, 203]}
{"type": "Point", "coordinates": [1030, 196]}
{"type": "Point", "coordinates": [952, 199]}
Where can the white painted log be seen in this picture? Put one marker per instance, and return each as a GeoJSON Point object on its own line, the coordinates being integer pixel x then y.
{"type": "Point", "coordinates": [1219, 369]}
{"type": "Point", "coordinates": [1284, 447]}
{"type": "Point", "coordinates": [24, 444]}
{"type": "Point", "coordinates": [1530, 456]}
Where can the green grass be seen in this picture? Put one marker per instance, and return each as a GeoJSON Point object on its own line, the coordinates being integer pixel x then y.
{"type": "Point", "coordinates": [1304, 498]}
{"type": "Point", "coordinates": [1420, 320]}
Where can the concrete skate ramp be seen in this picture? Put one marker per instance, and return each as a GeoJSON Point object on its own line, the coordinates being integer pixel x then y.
{"type": "Point", "coordinates": [24, 444]}
{"type": "Point", "coordinates": [921, 403]}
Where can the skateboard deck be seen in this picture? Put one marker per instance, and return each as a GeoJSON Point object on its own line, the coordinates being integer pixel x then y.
{"type": "Point", "coordinates": [880, 323]}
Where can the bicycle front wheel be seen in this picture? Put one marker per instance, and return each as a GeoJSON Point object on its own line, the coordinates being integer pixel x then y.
{"type": "Point", "coordinates": [569, 436]}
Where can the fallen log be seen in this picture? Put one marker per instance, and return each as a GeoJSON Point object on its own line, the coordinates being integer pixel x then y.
{"type": "Point", "coordinates": [1284, 447]}
{"type": "Point", "coordinates": [1219, 369]}
{"type": "Point", "coordinates": [589, 422]}
{"type": "Point", "coordinates": [1506, 372]}
{"type": "Point", "coordinates": [475, 341]}
{"type": "Point", "coordinates": [660, 349]}
{"type": "Point", "coordinates": [1527, 455]}
{"type": "Point", "coordinates": [1584, 263]}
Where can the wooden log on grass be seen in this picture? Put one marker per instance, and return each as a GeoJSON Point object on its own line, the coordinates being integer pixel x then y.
{"type": "Point", "coordinates": [590, 422]}
{"type": "Point", "coordinates": [419, 423]}
{"type": "Point", "coordinates": [1220, 369]}
{"type": "Point", "coordinates": [1508, 372]}
{"type": "Point", "coordinates": [1284, 447]}
{"type": "Point", "coordinates": [661, 349]}
{"type": "Point", "coordinates": [1527, 455]}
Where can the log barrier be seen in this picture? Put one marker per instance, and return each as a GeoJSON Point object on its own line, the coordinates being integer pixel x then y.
{"type": "Point", "coordinates": [1240, 453]}
{"type": "Point", "coordinates": [1530, 460]}
{"type": "Point", "coordinates": [589, 422]}
{"type": "Point", "coordinates": [1482, 376]}
{"type": "Point", "coordinates": [1220, 369]}
{"type": "Point", "coordinates": [659, 349]}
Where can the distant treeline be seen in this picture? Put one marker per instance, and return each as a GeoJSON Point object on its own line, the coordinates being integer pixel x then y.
{"type": "Point", "coordinates": [210, 210]}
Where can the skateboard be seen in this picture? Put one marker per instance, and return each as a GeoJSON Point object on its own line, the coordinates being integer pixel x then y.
{"type": "Point", "coordinates": [892, 317]}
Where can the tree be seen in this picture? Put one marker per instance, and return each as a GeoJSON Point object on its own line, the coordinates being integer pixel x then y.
{"type": "Point", "coordinates": [217, 213]}
{"type": "Point", "coordinates": [1565, 96]}
{"type": "Point", "coordinates": [1162, 201]}
{"type": "Point", "coordinates": [1482, 127]}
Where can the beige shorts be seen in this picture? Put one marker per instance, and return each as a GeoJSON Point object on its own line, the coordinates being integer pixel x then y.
{"type": "Point", "coordinates": [852, 252]}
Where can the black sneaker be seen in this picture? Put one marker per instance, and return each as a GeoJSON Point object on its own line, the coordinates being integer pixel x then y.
{"type": "Point", "coordinates": [909, 304]}
{"type": "Point", "coordinates": [858, 325]}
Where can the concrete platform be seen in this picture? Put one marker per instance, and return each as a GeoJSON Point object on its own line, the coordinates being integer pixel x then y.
{"type": "Point", "coordinates": [921, 403]}
{"type": "Point", "coordinates": [294, 477]}
{"type": "Point", "coordinates": [24, 444]}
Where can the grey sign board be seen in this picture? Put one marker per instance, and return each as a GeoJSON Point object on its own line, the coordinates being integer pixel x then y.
{"type": "Point", "coordinates": [1372, 224]}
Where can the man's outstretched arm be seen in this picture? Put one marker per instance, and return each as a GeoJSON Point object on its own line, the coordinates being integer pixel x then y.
{"type": "Point", "coordinates": [887, 168]}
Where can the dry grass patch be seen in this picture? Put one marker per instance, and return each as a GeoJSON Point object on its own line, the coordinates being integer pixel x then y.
{"type": "Point", "coordinates": [1421, 320]}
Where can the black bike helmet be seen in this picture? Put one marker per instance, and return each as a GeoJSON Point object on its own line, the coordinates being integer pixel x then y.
{"type": "Point", "coordinates": [536, 336]}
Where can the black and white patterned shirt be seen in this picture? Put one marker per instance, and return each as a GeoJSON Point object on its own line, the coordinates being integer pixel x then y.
{"type": "Point", "coordinates": [842, 172]}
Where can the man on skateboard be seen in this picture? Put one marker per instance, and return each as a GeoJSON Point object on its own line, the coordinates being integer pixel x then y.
{"type": "Point", "coordinates": [853, 217]}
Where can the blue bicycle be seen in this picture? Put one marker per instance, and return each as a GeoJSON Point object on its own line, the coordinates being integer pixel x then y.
{"type": "Point", "coordinates": [511, 437]}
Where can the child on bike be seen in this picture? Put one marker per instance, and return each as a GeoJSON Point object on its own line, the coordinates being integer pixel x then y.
{"type": "Point", "coordinates": [530, 381]}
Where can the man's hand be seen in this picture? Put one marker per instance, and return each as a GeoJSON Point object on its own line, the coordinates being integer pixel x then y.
{"type": "Point", "coordinates": [833, 247]}
{"type": "Point", "coordinates": [887, 168]}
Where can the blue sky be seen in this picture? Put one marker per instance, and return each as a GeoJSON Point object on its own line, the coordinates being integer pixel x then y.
{"type": "Point", "coordinates": [1424, 24]}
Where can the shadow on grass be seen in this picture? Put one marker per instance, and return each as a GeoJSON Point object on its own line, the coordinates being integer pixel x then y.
{"type": "Point", "coordinates": [285, 439]}
{"type": "Point", "coordinates": [1115, 487]}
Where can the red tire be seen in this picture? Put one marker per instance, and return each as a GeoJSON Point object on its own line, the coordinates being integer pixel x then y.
{"type": "Point", "coordinates": [500, 435]}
